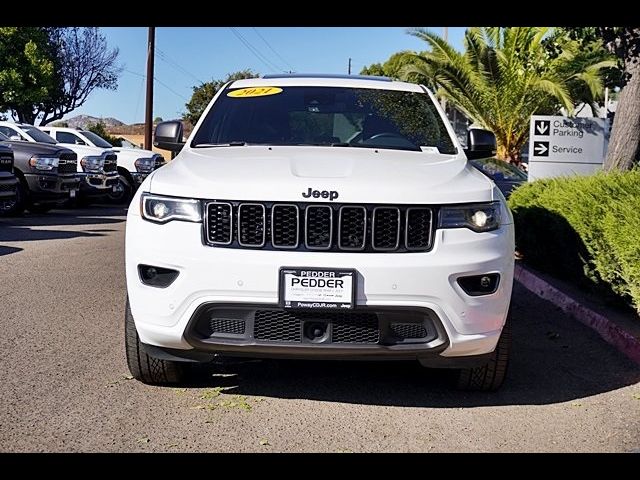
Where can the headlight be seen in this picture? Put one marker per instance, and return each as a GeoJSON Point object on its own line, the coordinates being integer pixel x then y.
{"type": "Point", "coordinates": [44, 163]}
{"type": "Point", "coordinates": [92, 163]}
{"type": "Point", "coordinates": [160, 209]}
{"type": "Point", "coordinates": [480, 217]}
{"type": "Point", "coordinates": [144, 165]}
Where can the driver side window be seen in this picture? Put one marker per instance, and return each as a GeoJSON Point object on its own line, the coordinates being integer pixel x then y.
{"type": "Point", "coordinates": [11, 133]}
{"type": "Point", "coordinates": [67, 137]}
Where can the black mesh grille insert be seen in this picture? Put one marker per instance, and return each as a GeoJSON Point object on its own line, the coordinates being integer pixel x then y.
{"type": "Point", "coordinates": [219, 221]}
{"type": "Point", "coordinates": [6, 163]}
{"type": "Point", "coordinates": [418, 228]}
{"type": "Point", "coordinates": [284, 326]}
{"type": "Point", "coordinates": [251, 231]}
{"type": "Point", "coordinates": [227, 325]}
{"type": "Point", "coordinates": [284, 226]}
{"type": "Point", "coordinates": [8, 187]}
{"type": "Point", "coordinates": [386, 228]}
{"type": "Point", "coordinates": [110, 162]}
{"type": "Point", "coordinates": [409, 330]}
{"type": "Point", "coordinates": [277, 325]}
{"type": "Point", "coordinates": [355, 328]}
{"type": "Point", "coordinates": [319, 227]}
{"type": "Point", "coordinates": [353, 228]}
{"type": "Point", "coordinates": [68, 163]}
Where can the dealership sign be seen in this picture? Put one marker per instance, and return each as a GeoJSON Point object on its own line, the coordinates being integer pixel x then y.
{"type": "Point", "coordinates": [565, 146]}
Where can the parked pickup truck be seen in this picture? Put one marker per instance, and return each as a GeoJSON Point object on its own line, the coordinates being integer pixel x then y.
{"type": "Point", "coordinates": [96, 167]}
{"type": "Point", "coordinates": [320, 217]}
{"type": "Point", "coordinates": [46, 175]}
{"type": "Point", "coordinates": [134, 164]}
{"type": "Point", "coordinates": [8, 181]}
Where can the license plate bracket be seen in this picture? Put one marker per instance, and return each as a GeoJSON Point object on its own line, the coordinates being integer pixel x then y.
{"type": "Point", "coordinates": [314, 288]}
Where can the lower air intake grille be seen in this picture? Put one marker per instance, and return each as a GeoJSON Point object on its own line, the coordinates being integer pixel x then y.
{"type": "Point", "coordinates": [227, 325]}
{"type": "Point", "coordinates": [409, 330]}
{"type": "Point", "coordinates": [356, 328]}
{"type": "Point", "coordinates": [277, 325]}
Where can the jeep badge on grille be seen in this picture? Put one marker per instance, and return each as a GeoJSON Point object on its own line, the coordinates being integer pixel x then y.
{"type": "Point", "coordinates": [330, 194]}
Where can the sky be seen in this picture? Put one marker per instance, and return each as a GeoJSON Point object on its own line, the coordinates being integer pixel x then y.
{"type": "Point", "coordinates": [188, 56]}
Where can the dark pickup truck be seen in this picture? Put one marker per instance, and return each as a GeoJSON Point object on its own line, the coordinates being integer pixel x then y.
{"type": "Point", "coordinates": [46, 175]}
{"type": "Point", "coordinates": [8, 181]}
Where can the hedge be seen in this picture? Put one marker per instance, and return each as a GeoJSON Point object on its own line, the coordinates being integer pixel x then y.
{"type": "Point", "coordinates": [585, 229]}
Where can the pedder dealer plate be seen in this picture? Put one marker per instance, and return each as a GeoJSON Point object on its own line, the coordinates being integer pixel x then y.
{"type": "Point", "coordinates": [317, 288]}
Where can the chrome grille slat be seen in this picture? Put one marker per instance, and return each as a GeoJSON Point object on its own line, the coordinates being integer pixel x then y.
{"type": "Point", "coordinates": [302, 226]}
{"type": "Point", "coordinates": [219, 223]}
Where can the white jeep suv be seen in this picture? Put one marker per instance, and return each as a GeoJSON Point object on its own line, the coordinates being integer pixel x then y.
{"type": "Point", "coordinates": [320, 217]}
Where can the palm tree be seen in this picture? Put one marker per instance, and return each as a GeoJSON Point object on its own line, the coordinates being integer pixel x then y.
{"type": "Point", "coordinates": [505, 75]}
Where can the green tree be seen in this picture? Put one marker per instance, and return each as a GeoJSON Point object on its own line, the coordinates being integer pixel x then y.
{"type": "Point", "coordinates": [393, 67]}
{"type": "Point", "coordinates": [624, 42]}
{"type": "Point", "coordinates": [48, 72]}
{"type": "Point", "coordinates": [202, 94]}
{"type": "Point", "coordinates": [505, 75]}
{"type": "Point", "coordinates": [100, 129]}
{"type": "Point", "coordinates": [157, 120]}
{"type": "Point", "coordinates": [28, 73]}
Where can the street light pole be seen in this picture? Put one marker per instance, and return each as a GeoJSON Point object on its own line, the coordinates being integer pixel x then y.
{"type": "Point", "coordinates": [148, 116]}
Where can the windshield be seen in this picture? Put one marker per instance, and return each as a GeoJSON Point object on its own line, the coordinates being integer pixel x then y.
{"type": "Point", "coordinates": [97, 140]}
{"type": "Point", "coordinates": [325, 116]}
{"type": "Point", "coordinates": [38, 135]}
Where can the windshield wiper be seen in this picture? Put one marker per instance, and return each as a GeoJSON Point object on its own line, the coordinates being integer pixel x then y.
{"type": "Point", "coordinates": [230, 144]}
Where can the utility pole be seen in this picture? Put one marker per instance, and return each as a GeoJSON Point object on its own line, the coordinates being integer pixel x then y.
{"type": "Point", "coordinates": [148, 116]}
{"type": "Point", "coordinates": [349, 70]}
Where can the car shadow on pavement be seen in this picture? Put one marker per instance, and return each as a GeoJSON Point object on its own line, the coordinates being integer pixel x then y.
{"type": "Point", "coordinates": [554, 359]}
{"type": "Point", "coordinates": [4, 250]}
{"type": "Point", "coordinates": [20, 229]}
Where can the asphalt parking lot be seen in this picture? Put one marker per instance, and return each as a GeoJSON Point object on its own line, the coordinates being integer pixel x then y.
{"type": "Point", "coordinates": [64, 384]}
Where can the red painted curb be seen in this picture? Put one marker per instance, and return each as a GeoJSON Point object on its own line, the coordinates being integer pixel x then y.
{"type": "Point", "coordinates": [608, 330]}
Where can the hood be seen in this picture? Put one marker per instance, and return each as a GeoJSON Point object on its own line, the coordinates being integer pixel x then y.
{"type": "Point", "coordinates": [85, 150]}
{"type": "Point", "coordinates": [285, 173]}
{"type": "Point", "coordinates": [138, 152]}
{"type": "Point", "coordinates": [35, 148]}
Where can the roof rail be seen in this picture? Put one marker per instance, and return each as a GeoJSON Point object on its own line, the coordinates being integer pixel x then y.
{"type": "Point", "coordinates": [326, 75]}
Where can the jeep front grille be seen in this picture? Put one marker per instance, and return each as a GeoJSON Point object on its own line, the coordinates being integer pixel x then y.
{"type": "Point", "coordinates": [319, 227]}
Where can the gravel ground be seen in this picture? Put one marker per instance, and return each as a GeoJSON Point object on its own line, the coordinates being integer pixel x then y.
{"type": "Point", "coordinates": [65, 385]}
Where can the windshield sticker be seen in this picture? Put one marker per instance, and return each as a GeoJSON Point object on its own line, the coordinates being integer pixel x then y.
{"type": "Point", "coordinates": [254, 92]}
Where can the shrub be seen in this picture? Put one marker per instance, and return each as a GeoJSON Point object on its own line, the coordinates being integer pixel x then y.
{"type": "Point", "coordinates": [586, 229]}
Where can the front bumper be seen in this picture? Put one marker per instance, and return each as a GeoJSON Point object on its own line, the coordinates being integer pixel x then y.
{"type": "Point", "coordinates": [51, 187]}
{"type": "Point", "coordinates": [426, 281]}
{"type": "Point", "coordinates": [8, 186]}
{"type": "Point", "coordinates": [99, 184]}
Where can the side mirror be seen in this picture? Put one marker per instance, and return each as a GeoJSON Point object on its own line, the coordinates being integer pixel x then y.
{"type": "Point", "coordinates": [480, 144]}
{"type": "Point", "coordinates": [168, 136]}
{"type": "Point", "coordinates": [15, 138]}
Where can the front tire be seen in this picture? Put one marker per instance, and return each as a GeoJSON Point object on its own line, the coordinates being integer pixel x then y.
{"type": "Point", "coordinates": [15, 207]}
{"type": "Point", "coordinates": [125, 194]}
{"type": "Point", "coordinates": [490, 376]}
{"type": "Point", "coordinates": [144, 367]}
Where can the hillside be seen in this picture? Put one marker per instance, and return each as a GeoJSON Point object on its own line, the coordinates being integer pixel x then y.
{"type": "Point", "coordinates": [83, 121]}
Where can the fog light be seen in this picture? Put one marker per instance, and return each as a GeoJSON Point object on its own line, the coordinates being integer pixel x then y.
{"type": "Point", "coordinates": [477, 285]}
{"type": "Point", "coordinates": [157, 276]}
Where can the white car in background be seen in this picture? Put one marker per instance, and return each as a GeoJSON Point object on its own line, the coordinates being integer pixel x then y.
{"type": "Point", "coordinates": [96, 166]}
{"type": "Point", "coordinates": [134, 164]}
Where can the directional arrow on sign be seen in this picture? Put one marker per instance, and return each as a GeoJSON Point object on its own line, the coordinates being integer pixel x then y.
{"type": "Point", "coordinates": [541, 149]}
{"type": "Point", "coordinates": [542, 127]}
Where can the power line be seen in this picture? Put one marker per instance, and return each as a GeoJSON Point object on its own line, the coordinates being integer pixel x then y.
{"type": "Point", "coordinates": [272, 49]}
{"type": "Point", "coordinates": [172, 63]}
{"type": "Point", "coordinates": [160, 82]}
{"type": "Point", "coordinates": [255, 51]}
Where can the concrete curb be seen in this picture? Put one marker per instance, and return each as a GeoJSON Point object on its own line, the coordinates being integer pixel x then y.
{"type": "Point", "coordinates": [608, 330]}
